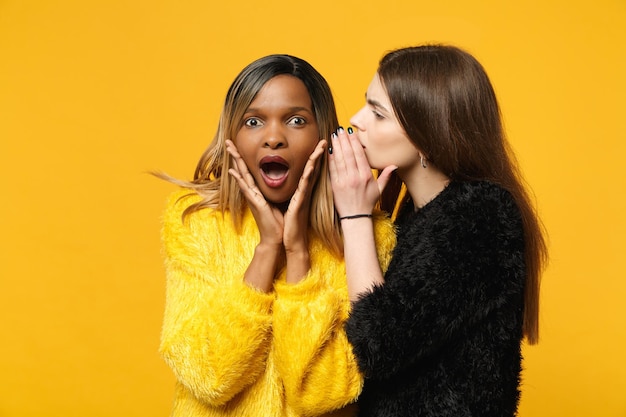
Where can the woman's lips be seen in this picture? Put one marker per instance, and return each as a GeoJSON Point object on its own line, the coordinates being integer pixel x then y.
{"type": "Point", "coordinates": [274, 170]}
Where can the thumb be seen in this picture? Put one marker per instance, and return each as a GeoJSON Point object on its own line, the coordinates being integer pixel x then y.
{"type": "Point", "coordinates": [383, 177]}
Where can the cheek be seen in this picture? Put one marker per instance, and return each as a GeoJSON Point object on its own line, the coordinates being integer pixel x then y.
{"type": "Point", "coordinates": [406, 155]}
{"type": "Point", "coordinates": [386, 148]}
{"type": "Point", "coordinates": [380, 138]}
{"type": "Point", "coordinates": [306, 141]}
{"type": "Point", "coordinates": [303, 152]}
{"type": "Point", "coordinates": [246, 153]}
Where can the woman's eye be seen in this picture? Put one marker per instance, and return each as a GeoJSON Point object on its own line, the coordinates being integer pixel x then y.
{"type": "Point", "coordinates": [378, 115]}
{"type": "Point", "coordinates": [297, 121]}
{"type": "Point", "coordinates": [252, 122]}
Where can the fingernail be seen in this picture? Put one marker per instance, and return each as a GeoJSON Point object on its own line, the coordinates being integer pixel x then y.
{"type": "Point", "coordinates": [340, 129]}
{"type": "Point", "coordinates": [350, 130]}
{"type": "Point", "coordinates": [333, 135]}
{"type": "Point", "coordinates": [330, 150]}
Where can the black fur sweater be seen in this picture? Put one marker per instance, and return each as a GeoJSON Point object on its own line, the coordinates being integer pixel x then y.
{"type": "Point", "coordinates": [442, 336]}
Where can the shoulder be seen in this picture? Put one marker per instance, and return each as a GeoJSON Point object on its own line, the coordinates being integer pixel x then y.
{"type": "Point", "coordinates": [469, 214]}
{"type": "Point", "coordinates": [483, 213]}
{"type": "Point", "coordinates": [477, 201]}
{"type": "Point", "coordinates": [197, 225]}
{"type": "Point", "coordinates": [177, 202]}
{"type": "Point", "coordinates": [481, 195]}
{"type": "Point", "coordinates": [493, 205]}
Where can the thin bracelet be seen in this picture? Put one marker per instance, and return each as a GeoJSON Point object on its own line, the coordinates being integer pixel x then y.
{"type": "Point", "coordinates": [355, 216]}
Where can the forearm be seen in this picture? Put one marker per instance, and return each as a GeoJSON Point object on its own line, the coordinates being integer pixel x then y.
{"type": "Point", "coordinates": [262, 269]}
{"type": "Point", "coordinates": [215, 338]}
{"type": "Point", "coordinates": [310, 344]}
{"type": "Point", "coordinates": [362, 268]}
{"type": "Point", "coordinates": [298, 264]}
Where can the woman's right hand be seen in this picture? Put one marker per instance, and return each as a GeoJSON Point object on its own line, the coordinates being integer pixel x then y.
{"type": "Point", "coordinates": [269, 219]}
{"type": "Point", "coordinates": [269, 254]}
{"type": "Point", "coordinates": [355, 189]}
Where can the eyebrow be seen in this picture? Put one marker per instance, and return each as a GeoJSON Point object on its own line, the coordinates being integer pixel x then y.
{"type": "Point", "coordinates": [295, 109]}
{"type": "Point", "coordinates": [375, 103]}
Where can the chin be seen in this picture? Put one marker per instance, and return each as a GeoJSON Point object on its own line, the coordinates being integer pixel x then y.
{"type": "Point", "coordinates": [374, 164]}
{"type": "Point", "coordinates": [371, 161]}
{"type": "Point", "coordinates": [283, 206]}
{"type": "Point", "coordinates": [278, 200]}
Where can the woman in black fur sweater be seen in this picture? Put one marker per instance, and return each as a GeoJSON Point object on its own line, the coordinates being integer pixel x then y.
{"type": "Point", "coordinates": [440, 334]}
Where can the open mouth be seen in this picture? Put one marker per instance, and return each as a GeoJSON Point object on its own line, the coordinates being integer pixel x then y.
{"type": "Point", "coordinates": [274, 170]}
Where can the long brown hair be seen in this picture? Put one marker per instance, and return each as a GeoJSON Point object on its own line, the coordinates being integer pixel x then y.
{"type": "Point", "coordinates": [446, 104]}
{"type": "Point", "coordinates": [211, 179]}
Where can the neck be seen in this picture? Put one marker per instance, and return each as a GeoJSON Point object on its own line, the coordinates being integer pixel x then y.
{"type": "Point", "coordinates": [424, 184]}
{"type": "Point", "coordinates": [282, 206]}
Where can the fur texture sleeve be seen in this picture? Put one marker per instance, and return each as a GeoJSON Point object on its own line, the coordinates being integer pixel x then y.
{"type": "Point", "coordinates": [316, 361]}
{"type": "Point", "coordinates": [216, 329]}
{"type": "Point", "coordinates": [459, 259]}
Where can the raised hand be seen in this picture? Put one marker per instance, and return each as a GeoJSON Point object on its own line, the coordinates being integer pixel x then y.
{"type": "Point", "coordinates": [355, 189]}
{"type": "Point", "coordinates": [296, 218]}
{"type": "Point", "coordinates": [269, 219]}
{"type": "Point", "coordinates": [269, 253]}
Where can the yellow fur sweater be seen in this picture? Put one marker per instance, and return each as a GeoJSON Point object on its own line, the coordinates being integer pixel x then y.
{"type": "Point", "coordinates": [236, 351]}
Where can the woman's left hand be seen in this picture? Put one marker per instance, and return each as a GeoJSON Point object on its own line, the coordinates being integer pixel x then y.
{"type": "Point", "coordinates": [296, 218]}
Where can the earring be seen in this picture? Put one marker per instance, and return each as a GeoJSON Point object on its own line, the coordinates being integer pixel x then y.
{"type": "Point", "coordinates": [423, 161]}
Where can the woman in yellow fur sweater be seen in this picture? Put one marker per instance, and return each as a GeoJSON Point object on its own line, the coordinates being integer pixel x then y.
{"type": "Point", "coordinates": [256, 288]}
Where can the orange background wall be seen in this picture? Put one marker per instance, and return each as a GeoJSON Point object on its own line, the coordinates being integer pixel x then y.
{"type": "Point", "coordinates": [95, 93]}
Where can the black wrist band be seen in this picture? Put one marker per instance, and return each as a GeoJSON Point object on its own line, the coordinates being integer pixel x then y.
{"type": "Point", "coordinates": [355, 216]}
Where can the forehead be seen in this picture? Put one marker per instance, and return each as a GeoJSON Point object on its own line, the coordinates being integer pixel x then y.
{"type": "Point", "coordinates": [376, 91]}
{"type": "Point", "coordinates": [283, 91]}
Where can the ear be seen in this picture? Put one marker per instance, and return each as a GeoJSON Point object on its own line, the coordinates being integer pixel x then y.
{"type": "Point", "coordinates": [423, 160]}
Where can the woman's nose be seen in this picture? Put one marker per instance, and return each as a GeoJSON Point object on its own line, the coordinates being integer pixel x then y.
{"type": "Point", "coordinates": [274, 137]}
{"type": "Point", "coordinates": [356, 120]}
